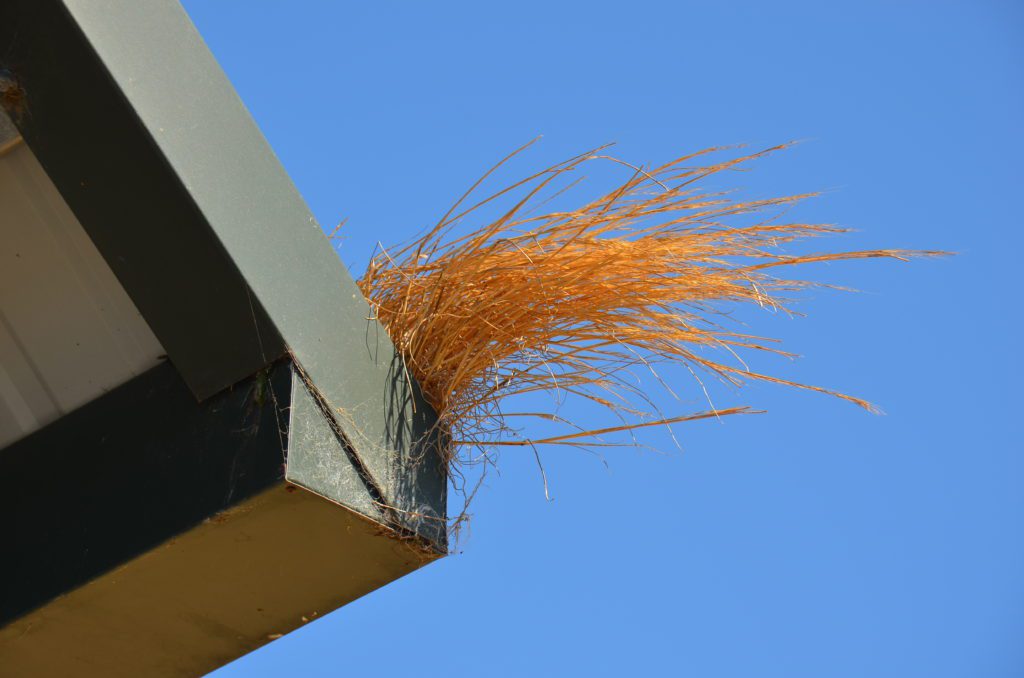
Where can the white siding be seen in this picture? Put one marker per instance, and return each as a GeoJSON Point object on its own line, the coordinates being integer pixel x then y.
{"type": "Point", "coordinates": [68, 331]}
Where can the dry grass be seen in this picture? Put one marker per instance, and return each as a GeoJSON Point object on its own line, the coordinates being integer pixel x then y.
{"type": "Point", "coordinates": [572, 302]}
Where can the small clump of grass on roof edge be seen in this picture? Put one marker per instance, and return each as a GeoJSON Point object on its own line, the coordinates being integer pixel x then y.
{"type": "Point", "coordinates": [576, 302]}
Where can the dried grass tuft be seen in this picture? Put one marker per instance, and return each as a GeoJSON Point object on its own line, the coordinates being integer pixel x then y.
{"type": "Point", "coordinates": [570, 302]}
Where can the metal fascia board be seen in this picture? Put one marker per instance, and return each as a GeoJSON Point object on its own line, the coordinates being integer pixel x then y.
{"type": "Point", "coordinates": [181, 96]}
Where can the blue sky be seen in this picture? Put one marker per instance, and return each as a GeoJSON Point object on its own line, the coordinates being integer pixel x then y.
{"type": "Point", "coordinates": [816, 540]}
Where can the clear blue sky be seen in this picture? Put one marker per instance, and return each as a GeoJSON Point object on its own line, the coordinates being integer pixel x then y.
{"type": "Point", "coordinates": [813, 541]}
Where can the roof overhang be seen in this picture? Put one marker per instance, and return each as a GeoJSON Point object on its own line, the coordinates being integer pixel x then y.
{"type": "Point", "coordinates": [153, 152]}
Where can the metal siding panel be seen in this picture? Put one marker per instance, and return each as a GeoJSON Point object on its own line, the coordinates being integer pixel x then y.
{"type": "Point", "coordinates": [68, 331]}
